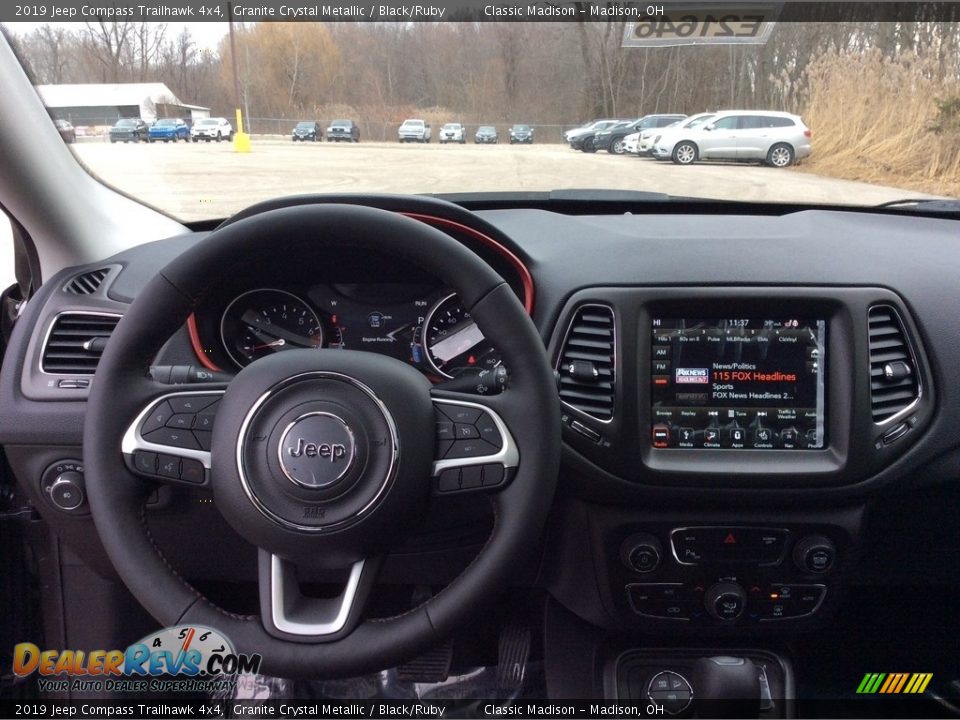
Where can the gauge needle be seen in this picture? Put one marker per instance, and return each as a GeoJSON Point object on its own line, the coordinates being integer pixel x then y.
{"type": "Point", "coordinates": [279, 342]}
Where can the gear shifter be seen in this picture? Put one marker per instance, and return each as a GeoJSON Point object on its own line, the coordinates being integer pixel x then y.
{"type": "Point", "coordinates": [726, 687]}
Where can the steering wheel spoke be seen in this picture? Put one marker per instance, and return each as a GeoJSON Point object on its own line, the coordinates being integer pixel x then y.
{"type": "Point", "coordinates": [474, 450]}
{"type": "Point", "coordinates": [288, 614]}
{"type": "Point", "coordinates": [170, 438]}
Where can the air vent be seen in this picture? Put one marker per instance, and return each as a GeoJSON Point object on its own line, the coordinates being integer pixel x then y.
{"type": "Point", "coordinates": [87, 283]}
{"type": "Point", "coordinates": [76, 342]}
{"type": "Point", "coordinates": [894, 385]}
{"type": "Point", "coordinates": [587, 364]}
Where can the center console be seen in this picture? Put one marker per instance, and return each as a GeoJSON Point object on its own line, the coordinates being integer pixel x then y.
{"type": "Point", "coordinates": [708, 430]}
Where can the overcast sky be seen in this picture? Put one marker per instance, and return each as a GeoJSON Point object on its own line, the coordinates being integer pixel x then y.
{"type": "Point", "coordinates": [206, 34]}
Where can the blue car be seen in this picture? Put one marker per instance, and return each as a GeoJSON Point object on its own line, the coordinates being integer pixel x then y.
{"type": "Point", "coordinates": [169, 129]}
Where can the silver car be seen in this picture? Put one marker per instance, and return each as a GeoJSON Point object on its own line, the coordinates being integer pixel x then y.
{"type": "Point", "coordinates": [772, 138]}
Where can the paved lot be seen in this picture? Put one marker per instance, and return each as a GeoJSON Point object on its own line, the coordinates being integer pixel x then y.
{"type": "Point", "coordinates": [194, 181]}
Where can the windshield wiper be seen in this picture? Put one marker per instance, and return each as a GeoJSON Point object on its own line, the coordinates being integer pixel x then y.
{"type": "Point", "coordinates": [924, 205]}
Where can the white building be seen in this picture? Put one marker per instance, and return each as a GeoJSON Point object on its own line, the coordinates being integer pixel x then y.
{"type": "Point", "coordinates": [105, 103]}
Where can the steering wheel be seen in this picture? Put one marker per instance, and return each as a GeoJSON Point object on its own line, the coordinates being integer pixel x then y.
{"type": "Point", "coordinates": [321, 457]}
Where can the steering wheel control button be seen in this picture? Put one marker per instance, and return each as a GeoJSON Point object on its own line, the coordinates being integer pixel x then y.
{"type": "Point", "coordinates": [171, 437]}
{"type": "Point", "coordinates": [460, 413]}
{"type": "Point", "coordinates": [145, 462]}
{"type": "Point", "coordinates": [191, 404]}
{"type": "Point", "coordinates": [489, 431]}
{"type": "Point", "coordinates": [168, 466]}
{"type": "Point", "coordinates": [317, 450]}
{"type": "Point", "coordinates": [671, 691]}
{"type": "Point", "coordinates": [157, 418]}
{"type": "Point", "coordinates": [204, 421]}
{"type": "Point", "coordinates": [641, 553]}
{"type": "Point", "coordinates": [815, 554]}
{"type": "Point", "coordinates": [192, 471]}
{"type": "Point", "coordinates": [182, 421]}
{"type": "Point", "coordinates": [725, 601]}
{"type": "Point", "coordinates": [493, 475]}
{"type": "Point", "coordinates": [462, 449]}
{"type": "Point", "coordinates": [471, 477]}
{"type": "Point", "coordinates": [449, 480]}
{"type": "Point", "coordinates": [466, 432]}
{"type": "Point", "coordinates": [445, 430]}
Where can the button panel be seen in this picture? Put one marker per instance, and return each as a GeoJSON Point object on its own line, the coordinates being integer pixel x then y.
{"type": "Point", "coordinates": [671, 691]}
{"type": "Point", "coordinates": [465, 432]}
{"type": "Point", "coordinates": [765, 602]}
{"type": "Point", "coordinates": [729, 544]}
{"type": "Point", "coordinates": [172, 439]}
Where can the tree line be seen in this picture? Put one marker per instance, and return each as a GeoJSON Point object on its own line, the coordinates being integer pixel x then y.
{"type": "Point", "coordinates": [540, 73]}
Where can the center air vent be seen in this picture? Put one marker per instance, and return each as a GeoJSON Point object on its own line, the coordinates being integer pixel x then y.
{"type": "Point", "coordinates": [894, 384]}
{"type": "Point", "coordinates": [86, 283]}
{"type": "Point", "coordinates": [76, 342]}
{"type": "Point", "coordinates": [587, 364]}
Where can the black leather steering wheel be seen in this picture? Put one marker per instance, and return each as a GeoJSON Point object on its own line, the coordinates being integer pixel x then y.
{"type": "Point", "coordinates": [324, 457]}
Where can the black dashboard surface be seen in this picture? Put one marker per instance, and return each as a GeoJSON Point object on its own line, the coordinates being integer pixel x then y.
{"type": "Point", "coordinates": [914, 258]}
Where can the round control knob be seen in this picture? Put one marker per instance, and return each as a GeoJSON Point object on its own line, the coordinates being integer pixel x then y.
{"type": "Point", "coordinates": [66, 492]}
{"type": "Point", "coordinates": [815, 554]}
{"type": "Point", "coordinates": [725, 601]}
{"type": "Point", "coordinates": [641, 553]}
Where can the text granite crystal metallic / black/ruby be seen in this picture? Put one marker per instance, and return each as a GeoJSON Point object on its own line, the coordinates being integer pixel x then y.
{"type": "Point", "coordinates": [738, 383]}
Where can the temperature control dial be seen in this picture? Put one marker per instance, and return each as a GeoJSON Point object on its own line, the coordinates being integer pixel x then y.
{"type": "Point", "coordinates": [725, 601]}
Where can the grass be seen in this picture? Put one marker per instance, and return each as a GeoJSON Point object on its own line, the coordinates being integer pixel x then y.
{"type": "Point", "coordinates": [884, 121]}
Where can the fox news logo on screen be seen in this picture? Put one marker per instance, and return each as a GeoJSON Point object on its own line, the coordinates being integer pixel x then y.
{"type": "Point", "coordinates": [693, 376]}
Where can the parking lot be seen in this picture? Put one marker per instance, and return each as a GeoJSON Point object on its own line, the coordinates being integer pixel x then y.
{"type": "Point", "coordinates": [194, 181]}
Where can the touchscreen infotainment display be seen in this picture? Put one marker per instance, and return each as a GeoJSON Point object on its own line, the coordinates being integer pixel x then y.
{"type": "Point", "coordinates": [739, 383]}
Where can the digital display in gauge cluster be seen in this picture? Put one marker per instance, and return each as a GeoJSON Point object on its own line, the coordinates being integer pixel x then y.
{"type": "Point", "coordinates": [741, 383]}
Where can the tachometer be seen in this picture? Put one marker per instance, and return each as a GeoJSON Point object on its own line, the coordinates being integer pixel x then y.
{"type": "Point", "coordinates": [453, 342]}
{"type": "Point", "coordinates": [261, 322]}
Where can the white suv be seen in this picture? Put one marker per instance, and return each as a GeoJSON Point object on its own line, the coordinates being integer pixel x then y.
{"type": "Point", "coordinates": [208, 129]}
{"type": "Point", "coordinates": [772, 138]}
{"type": "Point", "coordinates": [453, 132]}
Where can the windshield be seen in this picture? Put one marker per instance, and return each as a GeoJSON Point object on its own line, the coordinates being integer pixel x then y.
{"type": "Point", "coordinates": [878, 103]}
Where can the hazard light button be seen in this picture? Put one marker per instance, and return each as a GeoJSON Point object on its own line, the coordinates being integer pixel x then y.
{"type": "Point", "coordinates": [729, 544]}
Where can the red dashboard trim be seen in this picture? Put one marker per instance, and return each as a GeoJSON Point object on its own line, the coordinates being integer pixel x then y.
{"type": "Point", "coordinates": [526, 278]}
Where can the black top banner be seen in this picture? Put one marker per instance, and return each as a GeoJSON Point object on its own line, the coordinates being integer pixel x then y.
{"type": "Point", "coordinates": [471, 11]}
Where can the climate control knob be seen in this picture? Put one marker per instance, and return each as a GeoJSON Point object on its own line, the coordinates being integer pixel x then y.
{"type": "Point", "coordinates": [641, 553]}
{"type": "Point", "coordinates": [725, 601]}
{"type": "Point", "coordinates": [815, 554]}
{"type": "Point", "coordinates": [66, 492]}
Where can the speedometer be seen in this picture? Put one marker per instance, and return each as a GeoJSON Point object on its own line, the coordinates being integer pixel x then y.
{"type": "Point", "coordinates": [262, 322]}
{"type": "Point", "coordinates": [453, 342]}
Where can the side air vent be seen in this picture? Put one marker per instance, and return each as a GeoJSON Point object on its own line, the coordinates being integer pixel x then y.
{"type": "Point", "coordinates": [87, 283]}
{"type": "Point", "coordinates": [587, 362]}
{"type": "Point", "coordinates": [76, 342]}
{"type": "Point", "coordinates": [894, 384]}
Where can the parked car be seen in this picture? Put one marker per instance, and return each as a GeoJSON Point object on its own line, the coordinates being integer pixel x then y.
{"type": "Point", "coordinates": [169, 129]}
{"type": "Point", "coordinates": [521, 134]}
{"type": "Point", "coordinates": [641, 143]}
{"type": "Point", "coordinates": [585, 142]}
{"type": "Point", "coordinates": [571, 135]}
{"type": "Point", "coordinates": [486, 135]}
{"type": "Point", "coordinates": [414, 130]}
{"type": "Point", "coordinates": [343, 130]}
{"type": "Point", "coordinates": [612, 138]}
{"type": "Point", "coordinates": [453, 132]}
{"type": "Point", "coordinates": [216, 128]}
{"type": "Point", "coordinates": [307, 130]}
{"type": "Point", "coordinates": [66, 130]}
{"type": "Point", "coordinates": [771, 138]}
{"type": "Point", "coordinates": [129, 130]}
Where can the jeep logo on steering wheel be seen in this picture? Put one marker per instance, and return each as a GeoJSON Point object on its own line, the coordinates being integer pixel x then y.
{"type": "Point", "coordinates": [323, 459]}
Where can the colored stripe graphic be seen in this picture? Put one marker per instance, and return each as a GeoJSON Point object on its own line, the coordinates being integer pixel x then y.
{"type": "Point", "coordinates": [894, 683]}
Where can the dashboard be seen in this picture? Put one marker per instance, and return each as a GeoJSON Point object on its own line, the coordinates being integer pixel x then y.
{"type": "Point", "coordinates": [760, 377]}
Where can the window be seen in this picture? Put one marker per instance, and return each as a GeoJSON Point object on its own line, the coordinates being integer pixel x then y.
{"type": "Point", "coordinates": [727, 123]}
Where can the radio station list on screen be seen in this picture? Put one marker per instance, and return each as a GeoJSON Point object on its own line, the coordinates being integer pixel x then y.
{"type": "Point", "coordinates": [740, 384]}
